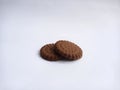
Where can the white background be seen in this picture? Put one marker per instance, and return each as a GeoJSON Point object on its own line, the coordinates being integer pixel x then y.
{"type": "Point", "coordinates": [27, 25]}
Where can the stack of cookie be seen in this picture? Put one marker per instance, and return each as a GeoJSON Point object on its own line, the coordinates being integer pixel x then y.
{"type": "Point", "coordinates": [61, 50]}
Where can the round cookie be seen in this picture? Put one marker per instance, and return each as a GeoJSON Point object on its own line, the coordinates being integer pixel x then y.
{"type": "Point", "coordinates": [68, 50]}
{"type": "Point", "coordinates": [47, 52]}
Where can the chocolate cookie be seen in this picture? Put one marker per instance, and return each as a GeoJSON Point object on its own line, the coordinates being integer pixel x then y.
{"type": "Point", "coordinates": [68, 50]}
{"type": "Point", "coordinates": [47, 52]}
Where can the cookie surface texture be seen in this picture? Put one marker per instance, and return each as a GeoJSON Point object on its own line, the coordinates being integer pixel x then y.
{"type": "Point", "coordinates": [68, 50]}
{"type": "Point", "coordinates": [47, 52]}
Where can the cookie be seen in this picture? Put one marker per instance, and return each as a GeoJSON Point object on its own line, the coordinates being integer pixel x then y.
{"type": "Point", "coordinates": [47, 52]}
{"type": "Point", "coordinates": [68, 50]}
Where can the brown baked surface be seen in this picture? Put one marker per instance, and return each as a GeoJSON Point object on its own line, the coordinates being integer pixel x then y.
{"type": "Point", "coordinates": [68, 50]}
{"type": "Point", "coordinates": [47, 52]}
